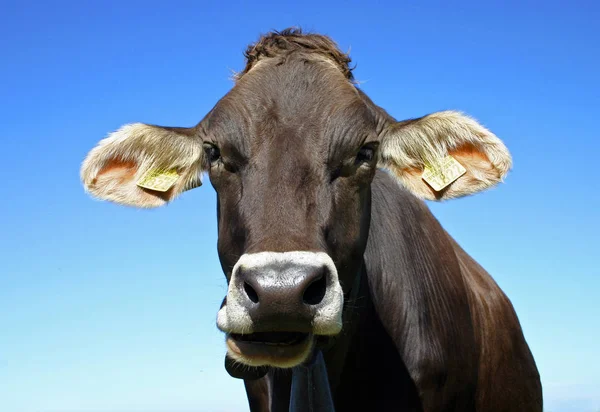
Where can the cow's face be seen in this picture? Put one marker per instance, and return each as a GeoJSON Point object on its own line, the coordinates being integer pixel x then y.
{"type": "Point", "coordinates": [291, 151]}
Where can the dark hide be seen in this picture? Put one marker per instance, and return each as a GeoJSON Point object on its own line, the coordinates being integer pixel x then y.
{"type": "Point", "coordinates": [324, 251]}
{"type": "Point", "coordinates": [427, 329]}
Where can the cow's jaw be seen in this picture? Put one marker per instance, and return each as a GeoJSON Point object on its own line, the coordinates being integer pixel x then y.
{"type": "Point", "coordinates": [278, 349]}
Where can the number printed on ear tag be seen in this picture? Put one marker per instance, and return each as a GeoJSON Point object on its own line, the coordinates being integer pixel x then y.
{"type": "Point", "coordinates": [158, 179]}
{"type": "Point", "coordinates": [443, 173]}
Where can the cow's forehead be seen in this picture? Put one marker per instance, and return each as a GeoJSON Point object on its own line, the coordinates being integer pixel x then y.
{"type": "Point", "coordinates": [303, 98]}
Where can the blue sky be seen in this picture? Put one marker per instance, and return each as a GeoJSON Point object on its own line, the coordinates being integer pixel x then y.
{"type": "Point", "coordinates": [109, 309]}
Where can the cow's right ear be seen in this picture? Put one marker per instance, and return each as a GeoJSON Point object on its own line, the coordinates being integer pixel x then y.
{"type": "Point", "coordinates": [143, 165]}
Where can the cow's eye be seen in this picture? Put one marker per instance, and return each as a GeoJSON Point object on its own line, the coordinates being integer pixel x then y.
{"type": "Point", "coordinates": [365, 154]}
{"type": "Point", "coordinates": [212, 152]}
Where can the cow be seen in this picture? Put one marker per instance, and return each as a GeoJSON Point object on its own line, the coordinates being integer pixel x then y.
{"type": "Point", "coordinates": [326, 241]}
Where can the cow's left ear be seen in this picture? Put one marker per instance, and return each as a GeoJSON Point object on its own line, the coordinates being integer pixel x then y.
{"type": "Point", "coordinates": [444, 155]}
{"type": "Point", "coordinates": [144, 166]}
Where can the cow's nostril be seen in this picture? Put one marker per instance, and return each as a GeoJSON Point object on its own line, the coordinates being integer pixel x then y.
{"type": "Point", "coordinates": [315, 292]}
{"type": "Point", "coordinates": [250, 292]}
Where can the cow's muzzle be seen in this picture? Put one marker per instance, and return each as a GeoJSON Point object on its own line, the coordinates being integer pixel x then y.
{"type": "Point", "coordinates": [277, 303]}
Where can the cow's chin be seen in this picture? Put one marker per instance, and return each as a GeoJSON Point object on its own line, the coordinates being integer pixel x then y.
{"type": "Point", "coordinates": [277, 349]}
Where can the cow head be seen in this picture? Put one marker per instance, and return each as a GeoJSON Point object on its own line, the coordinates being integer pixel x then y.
{"type": "Point", "coordinates": [291, 151]}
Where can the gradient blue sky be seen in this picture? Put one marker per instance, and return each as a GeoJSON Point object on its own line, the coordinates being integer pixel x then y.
{"type": "Point", "coordinates": [109, 309]}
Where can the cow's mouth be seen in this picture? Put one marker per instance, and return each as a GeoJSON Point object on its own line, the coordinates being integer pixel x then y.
{"type": "Point", "coordinates": [271, 338]}
{"type": "Point", "coordinates": [281, 349]}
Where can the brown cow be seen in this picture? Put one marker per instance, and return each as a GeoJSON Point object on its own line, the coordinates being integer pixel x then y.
{"type": "Point", "coordinates": [325, 241]}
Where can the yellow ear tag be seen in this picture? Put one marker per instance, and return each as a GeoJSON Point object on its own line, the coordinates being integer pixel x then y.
{"type": "Point", "coordinates": [158, 179]}
{"type": "Point", "coordinates": [443, 173]}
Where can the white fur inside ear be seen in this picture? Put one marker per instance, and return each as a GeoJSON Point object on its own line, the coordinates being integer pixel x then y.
{"type": "Point", "coordinates": [112, 168]}
{"type": "Point", "coordinates": [408, 146]}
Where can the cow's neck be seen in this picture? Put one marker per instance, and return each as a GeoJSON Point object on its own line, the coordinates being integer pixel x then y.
{"type": "Point", "coordinates": [365, 361]}
{"type": "Point", "coordinates": [354, 317]}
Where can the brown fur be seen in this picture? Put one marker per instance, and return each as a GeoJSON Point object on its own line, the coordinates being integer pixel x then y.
{"type": "Point", "coordinates": [428, 329]}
